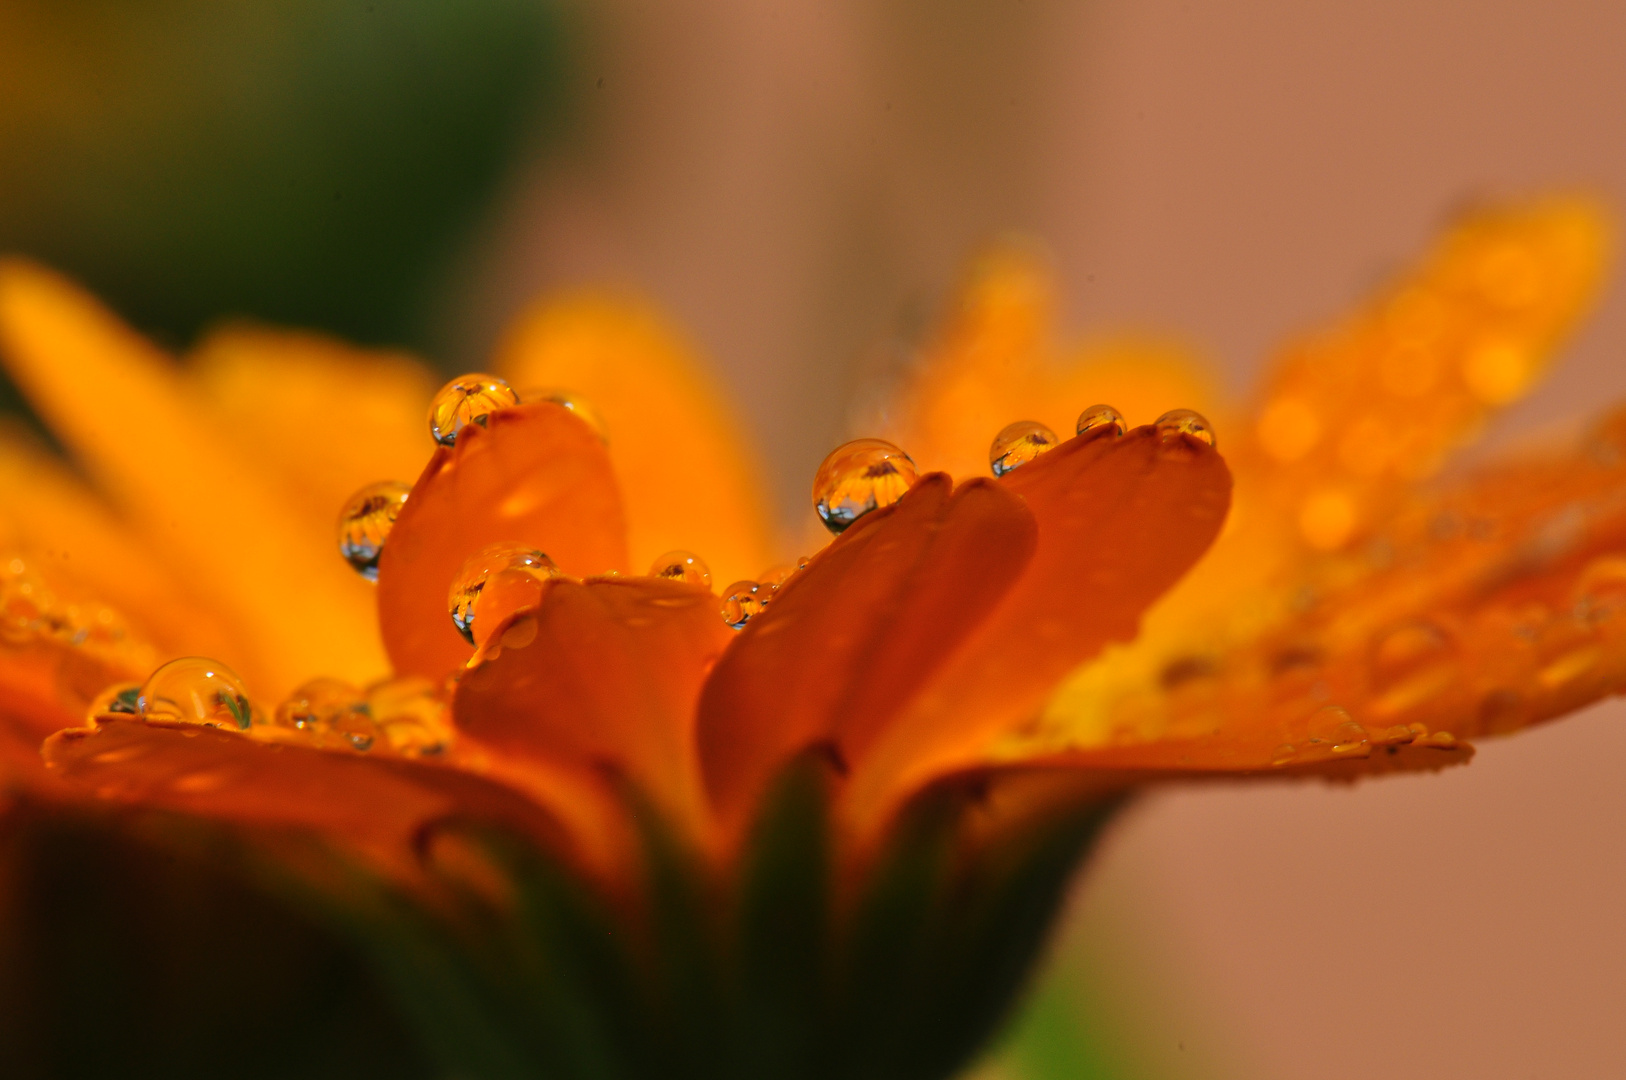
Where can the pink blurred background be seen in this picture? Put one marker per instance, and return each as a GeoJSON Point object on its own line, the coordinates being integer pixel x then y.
{"type": "Point", "coordinates": [799, 181]}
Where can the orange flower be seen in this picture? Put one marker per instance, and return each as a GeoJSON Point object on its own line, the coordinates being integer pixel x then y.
{"type": "Point", "coordinates": [843, 806]}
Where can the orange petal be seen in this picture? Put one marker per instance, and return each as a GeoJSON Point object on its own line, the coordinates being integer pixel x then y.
{"type": "Point", "coordinates": [602, 673]}
{"type": "Point", "coordinates": [1120, 520]}
{"type": "Point", "coordinates": [372, 806]}
{"type": "Point", "coordinates": [848, 641]}
{"type": "Point", "coordinates": [1496, 604]}
{"type": "Point", "coordinates": [216, 517]}
{"type": "Point", "coordinates": [535, 475]}
{"type": "Point", "coordinates": [324, 417]}
{"type": "Point", "coordinates": [688, 476]}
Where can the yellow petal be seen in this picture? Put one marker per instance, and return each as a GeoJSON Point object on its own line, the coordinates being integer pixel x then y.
{"type": "Point", "coordinates": [216, 517]}
{"type": "Point", "coordinates": [687, 476]}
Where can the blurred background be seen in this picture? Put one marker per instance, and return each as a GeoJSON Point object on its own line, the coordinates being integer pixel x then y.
{"type": "Point", "coordinates": [798, 183]}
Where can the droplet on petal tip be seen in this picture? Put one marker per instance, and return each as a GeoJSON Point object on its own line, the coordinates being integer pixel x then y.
{"type": "Point", "coordinates": [1019, 443]}
{"type": "Point", "coordinates": [579, 406]}
{"type": "Point", "coordinates": [196, 690]}
{"type": "Point", "coordinates": [742, 601]}
{"type": "Point", "coordinates": [467, 399]}
{"type": "Point", "coordinates": [682, 566]}
{"type": "Point", "coordinates": [512, 564]}
{"type": "Point", "coordinates": [1101, 420]}
{"type": "Point", "coordinates": [365, 524]}
{"type": "Point", "coordinates": [1184, 422]}
{"type": "Point", "coordinates": [859, 477]}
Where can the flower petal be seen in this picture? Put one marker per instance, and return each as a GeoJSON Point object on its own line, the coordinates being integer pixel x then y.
{"type": "Point", "coordinates": [1120, 521]}
{"type": "Point", "coordinates": [217, 518]}
{"type": "Point", "coordinates": [605, 672]}
{"type": "Point", "coordinates": [371, 805]}
{"type": "Point", "coordinates": [688, 477]}
{"type": "Point", "coordinates": [848, 641]}
{"type": "Point", "coordinates": [537, 475]}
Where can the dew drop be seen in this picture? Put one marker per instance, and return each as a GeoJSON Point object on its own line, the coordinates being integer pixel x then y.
{"type": "Point", "coordinates": [119, 698]}
{"type": "Point", "coordinates": [467, 399]}
{"type": "Point", "coordinates": [858, 477]}
{"type": "Point", "coordinates": [196, 690]}
{"type": "Point", "coordinates": [682, 566]}
{"type": "Point", "coordinates": [1177, 422]}
{"type": "Point", "coordinates": [1283, 754]}
{"type": "Point", "coordinates": [741, 602]}
{"type": "Point", "coordinates": [494, 582]}
{"type": "Point", "coordinates": [579, 406]}
{"type": "Point", "coordinates": [331, 712]}
{"type": "Point", "coordinates": [776, 576]}
{"type": "Point", "coordinates": [410, 715]}
{"type": "Point", "coordinates": [365, 523]}
{"type": "Point", "coordinates": [1019, 443]}
{"type": "Point", "coordinates": [1100, 420]}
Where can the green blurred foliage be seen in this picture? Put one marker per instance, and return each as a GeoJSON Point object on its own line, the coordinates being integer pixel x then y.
{"type": "Point", "coordinates": [311, 162]}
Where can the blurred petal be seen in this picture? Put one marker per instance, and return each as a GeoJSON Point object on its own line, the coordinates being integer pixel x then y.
{"type": "Point", "coordinates": [996, 363]}
{"type": "Point", "coordinates": [849, 641]}
{"type": "Point", "coordinates": [603, 673]}
{"type": "Point", "coordinates": [1120, 521]}
{"type": "Point", "coordinates": [688, 475]}
{"type": "Point", "coordinates": [536, 475]}
{"type": "Point", "coordinates": [216, 517]}
{"type": "Point", "coordinates": [325, 417]}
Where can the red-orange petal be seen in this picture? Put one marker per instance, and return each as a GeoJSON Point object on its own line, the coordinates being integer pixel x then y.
{"type": "Point", "coordinates": [848, 641]}
{"type": "Point", "coordinates": [1120, 520]}
{"type": "Point", "coordinates": [602, 673]}
{"type": "Point", "coordinates": [535, 475]}
{"type": "Point", "coordinates": [370, 806]}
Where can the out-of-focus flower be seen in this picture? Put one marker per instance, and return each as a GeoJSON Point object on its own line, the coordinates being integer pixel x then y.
{"type": "Point", "coordinates": [596, 822]}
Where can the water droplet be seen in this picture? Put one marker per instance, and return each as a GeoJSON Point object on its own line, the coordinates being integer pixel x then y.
{"type": "Point", "coordinates": [196, 690]}
{"type": "Point", "coordinates": [1332, 727]}
{"type": "Point", "coordinates": [579, 406]}
{"type": "Point", "coordinates": [682, 566]}
{"type": "Point", "coordinates": [1283, 754]}
{"type": "Point", "coordinates": [1397, 735]}
{"type": "Point", "coordinates": [495, 582]}
{"type": "Point", "coordinates": [1019, 443]}
{"type": "Point", "coordinates": [118, 698]}
{"type": "Point", "coordinates": [776, 576]}
{"type": "Point", "coordinates": [365, 523]}
{"type": "Point", "coordinates": [1178, 422]}
{"type": "Point", "coordinates": [331, 712]}
{"type": "Point", "coordinates": [410, 715]}
{"type": "Point", "coordinates": [741, 602]}
{"type": "Point", "coordinates": [1440, 740]}
{"type": "Point", "coordinates": [467, 399]}
{"type": "Point", "coordinates": [858, 477]}
{"type": "Point", "coordinates": [1100, 420]}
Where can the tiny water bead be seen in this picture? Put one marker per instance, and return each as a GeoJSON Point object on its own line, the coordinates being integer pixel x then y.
{"type": "Point", "coordinates": [467, 399]}
{"type": "Point", "coordinates": [578, 405]}
{"type": "Point", "coordinates": [742, 601]}
{"type": "Point", "coordinates": [365, 523]}
{"type": "Point", "coordinates": [1185, 422]}
{"type": "Point", "coordinates": [775, 576]}
{"type": "Point", "coordinates": [858, 477]}
{"type": "Point", "coordinates": [196, 690]}
{"type": "Point", "coordinates": [411, 715]}
{"type": "Point", "coordinates": [1019, 443]}
{"type": "Point", "coordinates": [331, 711]}
{"type": "Point", "coordinates": [1101, 420]}
{"type": "Point", "coordinates": [500, 579]}
{"type": "Point", "coordinates": [682, 566]}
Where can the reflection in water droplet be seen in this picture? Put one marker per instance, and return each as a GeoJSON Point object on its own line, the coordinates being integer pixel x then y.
{"type": "Point", "coordinates": [578, 405]}
{"type": "Point", "coordinates": [331, 712]}
{"type": "Point", "coordinates": [118, 698]}
{"type": "Point", "coordinates": [196, 690]}
{"type": "Point", "coordinates": [467, 399]}
{"type": "Point", "coordinates": [858, 477]}
{"type": "Point", "coordinates": [682, 566]}
{"type": "Point", "coordinates": [494, 582]}
{"type": "Point", "coordinates": [1019, 443]}
{"type": "Point", "coordinates": [1178, 422]}
{"type": "Point", "coordinates": [365, 523]}
{"type": "Point", "coordinates": [1101, 420]}
{"type": "Point", "coordinates": [741, 602]}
